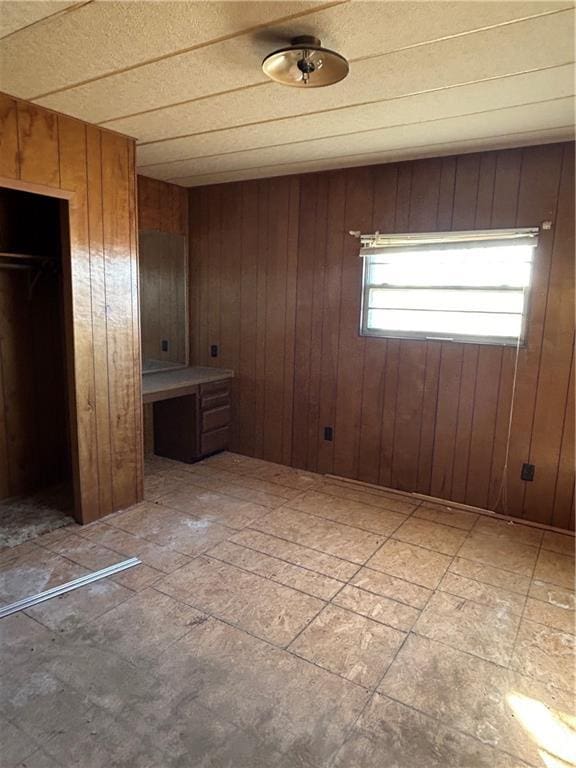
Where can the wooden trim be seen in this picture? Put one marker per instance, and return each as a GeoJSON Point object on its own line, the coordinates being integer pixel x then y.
{"type": "Point", "coordinates": [455, 504]}
{"type": "Point", "coordinates": [37, 189]}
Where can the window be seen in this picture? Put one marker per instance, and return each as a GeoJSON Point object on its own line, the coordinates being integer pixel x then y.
{"type": "Point", "coordinates": [452, 286]}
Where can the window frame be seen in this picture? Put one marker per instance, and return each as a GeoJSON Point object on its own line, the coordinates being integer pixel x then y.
{"type": "Point", "coordinates": [493, 341]}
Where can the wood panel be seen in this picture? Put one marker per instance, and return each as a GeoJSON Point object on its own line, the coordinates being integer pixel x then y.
{"type": "Point", "coordinates": [425, 416]}
{"type": "Point", "coordinates": [93, 169]}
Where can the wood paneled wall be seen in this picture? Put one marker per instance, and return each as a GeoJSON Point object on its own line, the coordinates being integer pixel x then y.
{"type": "Point", "coordinates": [162, 207]}
{"type": "Point", "coordinates": [276, 283]}
{"type": "Point", "coordinates": [49, 153]}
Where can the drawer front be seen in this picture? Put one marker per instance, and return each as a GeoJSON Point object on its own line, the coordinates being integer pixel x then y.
{"type": "Point", "coordinates": [216, 418]}
{"type": "Point", "coordinates": [214, 441]}
{"type": "Point", "coordinates": [214, 386]}
{"type": "Point", "coordinates": [216, 400]}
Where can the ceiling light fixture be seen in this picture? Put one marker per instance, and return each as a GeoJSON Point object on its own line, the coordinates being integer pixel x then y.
{"type": "Point", "coordinates": [305, 64]}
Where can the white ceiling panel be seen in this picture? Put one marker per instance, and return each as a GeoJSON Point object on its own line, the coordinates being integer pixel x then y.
{"type": "Point", "coordinates": [235, 63]}
{"type": "Point", "coordinates": [17, 14]}
{"type": "Point", "coordinates": [487, 96]}
{"type": "Point", "coordinates": [105, 36]}
{"type": "Point", "coordinates": [542, 117]}
{"type": "Point", "coordinates": [459, 146]}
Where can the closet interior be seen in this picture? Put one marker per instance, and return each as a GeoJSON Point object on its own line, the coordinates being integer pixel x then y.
{"type": "Point", "coordinates": [35, 473]}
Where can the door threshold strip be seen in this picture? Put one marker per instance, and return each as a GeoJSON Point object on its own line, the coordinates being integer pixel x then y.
{"type": "Point", "coordinates": [28, 602]}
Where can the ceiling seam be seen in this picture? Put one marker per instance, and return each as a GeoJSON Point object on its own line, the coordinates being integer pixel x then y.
{"type": "Point", "coordinates": [356, 105]}
{"type": "Point", "coordinates": [190, 49]}
{"type": "Point", "coordinates": [173, 179]}
{"type": "Point", "coordinates": [361, 132]}
{"type": "Point", "coordinates": [356, 60]}
{"type": "Point", "coordinates": [51, 16]}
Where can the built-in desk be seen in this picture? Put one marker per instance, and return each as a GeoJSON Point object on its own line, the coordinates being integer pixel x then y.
{"type": "Point", "coordinates": [191, 411]}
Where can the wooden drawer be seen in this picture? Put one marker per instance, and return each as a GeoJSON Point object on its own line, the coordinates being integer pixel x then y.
{"type": "Point", "coordinates": [214, 386]}
{"type": "Point", "coordinates": [216, 418]}
{"type": "Point", "coordinates": [215, 400]}
{"type": "Point", "coordinates": [214, 441]}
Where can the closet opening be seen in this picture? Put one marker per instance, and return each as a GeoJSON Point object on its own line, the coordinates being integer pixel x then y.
{"type": "Point", "coordinates": [36, 491]}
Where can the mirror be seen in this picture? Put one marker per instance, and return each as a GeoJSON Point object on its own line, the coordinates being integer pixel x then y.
{"type": "Point", "coordinates": [163, 300]}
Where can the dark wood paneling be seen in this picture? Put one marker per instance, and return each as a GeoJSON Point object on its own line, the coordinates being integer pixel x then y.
{"type": "Point", "coordinates": [425, 416]}
{"type": "Point", "coordinates": [94, 170]}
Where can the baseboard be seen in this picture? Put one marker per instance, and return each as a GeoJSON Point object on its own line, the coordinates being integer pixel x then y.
{"type": "Point", "coordinates": [454, 504]}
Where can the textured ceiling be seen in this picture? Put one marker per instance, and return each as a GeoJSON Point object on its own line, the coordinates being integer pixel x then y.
{"type": "Point", "coordinates": [184, 78]}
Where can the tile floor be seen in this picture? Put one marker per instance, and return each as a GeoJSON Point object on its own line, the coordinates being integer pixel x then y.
{"type": "Point", "coordinates": [283, 620]}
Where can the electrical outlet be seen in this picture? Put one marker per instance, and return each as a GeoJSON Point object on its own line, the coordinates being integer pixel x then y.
{"type": "Point", "coordinates": [328, 434]}
{"type": "Point", "coordinates": [214, 350]}
{"type": "Point", "coordinates": [527, 472]}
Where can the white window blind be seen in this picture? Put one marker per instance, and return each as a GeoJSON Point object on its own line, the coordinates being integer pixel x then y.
{"type": "Point", "coordinates": [460, 286]}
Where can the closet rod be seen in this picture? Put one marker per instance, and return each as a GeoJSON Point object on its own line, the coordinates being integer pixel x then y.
{"type": "Point", "coordinates": [17, 266]}
{"type": "Point", "coordinates": [23, 256]}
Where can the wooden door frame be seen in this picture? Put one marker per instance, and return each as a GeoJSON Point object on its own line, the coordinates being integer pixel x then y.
{"type": "Point", "coordinates": [69, 358]}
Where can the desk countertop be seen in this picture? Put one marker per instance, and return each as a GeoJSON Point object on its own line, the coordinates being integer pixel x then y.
{"type": "Point", "coordinates": [168, 384]}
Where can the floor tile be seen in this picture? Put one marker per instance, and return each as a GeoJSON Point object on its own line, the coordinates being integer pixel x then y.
{"type": "Point", "coordinates": [73, 609]}
{"type": "Point", "coordinates": [347, 512]}
{"type": "Point", "coordinates": [10, 554]}
{"type": "Point", "coordinates": [170, 528]}
{"type": "Point", "coordinates": [100, 741]}
{"type": "Point", "coordinates": [16, 745]}
{"type": "Point", "coordinates": [41, 704]}
{"type": "Point", "coordinates": [138, 578]}
{"type": "Point", "coordinates": [549, 593]}
{"type": "Point", "coordinates": [36, 572]}
{"type": "Point", "coordinates": [487, 574]}
{"type": "Point", "coordinates": [191, 736]}
{"type": "Point", "coordinates": [555, 568]}
{"type": "Point", "coordinates": [478, 629]}
{"type": "Point", "coordinates": [124, 543]}
{"type": "Point", "coordinates": [324, 535]}
{"type": "Point", "coordinates": [545, 653]}
{"type": "Point", "coordinates": [247, 493]}
{"type": "Point", "coordinates": [391, 734]}
{"type": "Point", "coordinates": [86, 553]}
{"type": "Point", "coordinates": [371, 496]}
{"type": "Point", "coordinates": [304, 711]}
{"type": "Point", "coordinates": [439, 513]}
{"type": "Point", "coordinates": [23, 641]}
{"type": "Point", "coordinates": [271, 611]}
{"type": "Point", "coordinates": [290, 575]}
{"type": "Point", "coordinates": [244, 481]}
{"type": "Point", "coordinates": [350, 645]}
{"type": "Point", "coordinates": [377, 607]}
{"type": "Point", "coordinates": [288, 476]}
{"type": "Point", "coordinates": [392, 587]}
{"type": "Point", "coordinates": [499, 552]}
{"type": "Point", "coordinates": [556, 542]}
{"type": "Point", "coordinates": [213, 507]}
{"type": "Point", "coordinates": [231, 462]}
{"type": "Point", "coordinates": [550, 615]}
{"type": "Point", "coordinates": [39, 759]}
{"type": "Point", "coordinates": [312, 559]}
{"type": "Point", "coordinates": [497, 597]}
{"type": "Point", "coordinates": [406, 561]}
{"type": "Point", "coordinates": [440, 538]}
{"type": "Point", "coordinates": [144, 626]}
{"type": "Point", "coordinates": [474, 696]}
{"type": "Point", "coordinates": [507, 529]}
